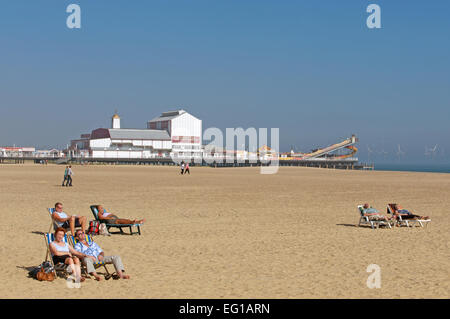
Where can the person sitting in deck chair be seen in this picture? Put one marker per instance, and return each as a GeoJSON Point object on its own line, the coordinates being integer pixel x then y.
{"type": "Point", "coordinates": [65, 221]}
{"type": "Point", "coordinates": [63, 253]}
{"type": "Point", "coordinates": [92, 253]}
{"type": "Point", "coordinates": [399, 211]}
{"type": "Point", "coordinates": [373, 214]}
{"type": "Point", "coordinates": [103, 215]}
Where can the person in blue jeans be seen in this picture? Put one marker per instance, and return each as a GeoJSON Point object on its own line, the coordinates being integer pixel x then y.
{"type": "Point", "coordinates": [406, 214]}
{"type": "Point", "coordinates": [65, 175]}
{"type": "Point", "coordinates": [373, 214]}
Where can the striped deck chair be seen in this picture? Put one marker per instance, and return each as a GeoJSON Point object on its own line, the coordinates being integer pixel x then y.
{"type": "Point", "coordinates": [120, 226]}
{"type": "Point", "coordinates": [365, 220]}
{"type": "Point", "coordinates": [97, 264]}
{"type": "Point", "coordinates": [60, 268]}
{"type": "Point", "coordinates": [407, 222]}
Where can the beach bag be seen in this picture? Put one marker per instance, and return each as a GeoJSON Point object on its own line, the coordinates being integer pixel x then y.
{"type": "Point", "coordinates": [44, 276]}
{"type": "Point", "coordinates": [93, 227]}
{"type": "Point", "coordinates": [39, 271]}
{"type": "Point", "coordinates": [103, 230]}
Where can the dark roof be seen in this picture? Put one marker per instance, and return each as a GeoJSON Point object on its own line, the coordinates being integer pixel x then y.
{"type": "Point", "coordinates": [166, 116]}
{"type": "Point", "coordinates": [135, 134]}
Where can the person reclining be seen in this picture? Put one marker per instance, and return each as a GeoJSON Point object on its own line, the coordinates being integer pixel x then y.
{"type": "Point", "coordinates": [66, 221]}
{"type": "Point", "coordinates": [373, 214]}
{"type": "Point", "coordinates": [92, 253]}
{"type": "Point", "coordinates": [399, 211]}
{"type": "Point", "coordinates": [103, 215]}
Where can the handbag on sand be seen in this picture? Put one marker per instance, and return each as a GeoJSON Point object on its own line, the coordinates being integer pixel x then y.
{"type": "Point", "coordinates": [103, 230]}
{"type": "Point", "coordinates": [43, 276]}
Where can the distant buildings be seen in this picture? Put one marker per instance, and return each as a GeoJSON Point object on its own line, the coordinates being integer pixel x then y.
{"type": "Point", "coordinates": [6, 151]}
{"type": "Point", "coordinates": [172, 134]}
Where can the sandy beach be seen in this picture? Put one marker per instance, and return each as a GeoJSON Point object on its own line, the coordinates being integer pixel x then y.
{"type": "Point", "coordinates": [232, 232]}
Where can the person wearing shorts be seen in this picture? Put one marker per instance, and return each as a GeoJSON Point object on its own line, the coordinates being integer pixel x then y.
{"type": "Point", "coordinates": [110, 218]}
{"type": "Point", "coordinates": [66, 221]}
{"type": "Point", "coordinates": [400, 211]}
{"type": "Point", "coordinates": [372, 213]}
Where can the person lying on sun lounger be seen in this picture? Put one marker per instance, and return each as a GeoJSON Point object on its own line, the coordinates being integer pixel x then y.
{"type": "Point", "coordinates": [373, 214]}
{"type": "Point", "coordinates": [103, 215]}
{"type": "Point", "coordinates": [400, 211]}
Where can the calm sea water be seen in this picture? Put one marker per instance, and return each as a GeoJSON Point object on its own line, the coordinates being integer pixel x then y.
{"type": "Point", "coordinates": [434, 168]}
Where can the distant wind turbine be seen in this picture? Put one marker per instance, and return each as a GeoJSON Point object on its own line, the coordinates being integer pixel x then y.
{"type": "Point", "coordinates": [431, 151]}
{"type": "Point", "coordinates": [369, 152]}
{"type": "Point", "coordinates": [383, 153]}
{"type": "Point", "coordinates": [400, 153]}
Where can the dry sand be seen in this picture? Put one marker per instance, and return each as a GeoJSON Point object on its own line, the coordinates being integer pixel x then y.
{"type": "Point", "coordinates": [233, 233]}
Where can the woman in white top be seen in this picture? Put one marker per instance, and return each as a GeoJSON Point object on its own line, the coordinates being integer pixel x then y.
{"type": "Point", "coordinates": [110, 218]}
{"type": "Point", "coordinates": [63, 253]}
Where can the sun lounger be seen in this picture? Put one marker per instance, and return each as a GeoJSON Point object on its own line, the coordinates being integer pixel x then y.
{"type": "Point", "coordinates": [97, 264]}
{"type": "Point", "coordinates": [407, 222]}
{"type": "Point", "coordinates": [60, 268]}
{"type": "Point", "coordinates": [365, 220]}
{"type": "Point", "coordinates": [120, 226]}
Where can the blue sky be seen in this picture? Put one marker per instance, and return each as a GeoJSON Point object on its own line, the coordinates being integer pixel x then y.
{"type": "Point", "coordinates": [311, 68]}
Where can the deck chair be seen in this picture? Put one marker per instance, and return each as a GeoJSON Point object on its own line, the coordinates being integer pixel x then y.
{"type": "Point", "coordinates": [97, 264]}
{"type": "Point", "coordinates": [120, 226]}
{"type": "Point", "coordinates": [365, 220]}
{"type": "Point", "coordinates": [60, 269]}
{"type": "Point", "coordinates": [407, 222]}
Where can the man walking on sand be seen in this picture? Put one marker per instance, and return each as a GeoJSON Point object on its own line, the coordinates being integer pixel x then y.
{"type": "Point", "coordinates": [65, 175]}
{"type": "Point", "coordinates": [69, 176]}
{"type": "Point", "coordinates": [182, 168]}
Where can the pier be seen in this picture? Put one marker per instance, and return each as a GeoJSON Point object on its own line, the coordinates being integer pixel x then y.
{"type": "Point", "coordinates": [329, 163]}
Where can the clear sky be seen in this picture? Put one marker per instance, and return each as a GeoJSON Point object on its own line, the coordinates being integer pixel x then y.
{"type": "Point", "coordinates": [311, 68]}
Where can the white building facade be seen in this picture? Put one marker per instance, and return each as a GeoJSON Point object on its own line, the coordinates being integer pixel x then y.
{"type": "Point", "coordinates": [173, 134]}
{"type": "Point", "coordinates": [185, 131]}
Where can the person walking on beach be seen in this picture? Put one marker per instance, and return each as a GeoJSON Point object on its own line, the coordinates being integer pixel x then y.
{"type": "Point", "coordinates": [69, 176]}
{"type": "Point", "coordinates": [65, 175]}
{"type": "Point", "coordinates": [182, 168]}
{"type": "Point", "coordinates": [186, 169]}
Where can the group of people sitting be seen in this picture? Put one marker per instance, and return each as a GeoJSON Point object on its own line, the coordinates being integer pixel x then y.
{"type": "Point", "coordinates": [397, 210]}
{"type": "Point", "coordinates": [64, 220]}
{"type": "Point", "coordinates": [88, 253]}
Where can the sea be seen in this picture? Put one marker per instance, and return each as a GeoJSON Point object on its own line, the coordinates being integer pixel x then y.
{"type": "Point", "coordinates": [406, 167]}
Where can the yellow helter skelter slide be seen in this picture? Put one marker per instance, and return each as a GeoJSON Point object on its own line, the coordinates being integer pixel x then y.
{"type": "Point", "coordinates": [348, 143]}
